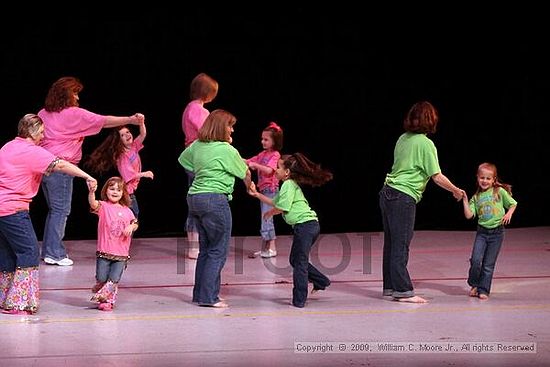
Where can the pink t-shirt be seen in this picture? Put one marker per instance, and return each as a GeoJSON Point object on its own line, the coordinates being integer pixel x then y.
{"type": "Point", "coordinates": [269, 159]}
{"type": "Point", "coordinates": [129, 165]}
{"type": "Point", "coordinates": [22, 164]}
{"type": "Point", "coordinates": [192, 120]}
{"type": "Point", "coordinates": [113, 218]}
{"type": "Point", "coordinates": [64, 131]}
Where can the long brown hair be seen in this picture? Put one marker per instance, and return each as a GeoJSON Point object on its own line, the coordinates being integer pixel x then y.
{"type": "Point", "coordinates": [304, 171]}
{"type": "Point", "coordinates": [106, 155]}
{"type": "Point", "coordinates": [61, 94]}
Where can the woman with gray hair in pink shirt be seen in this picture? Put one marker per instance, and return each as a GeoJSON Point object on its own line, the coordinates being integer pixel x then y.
{"type": "Point", "coordinates": [22, 164]}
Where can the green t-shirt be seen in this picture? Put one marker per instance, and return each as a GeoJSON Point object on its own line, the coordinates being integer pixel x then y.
{"type": "Point", "coordinates": [489, 209]}
{"type": "Point", "coordinates": [292, 202]}
{"type": "Point", "coordinates": [414, 163]}
{"type": "Point", "coordinates": [215, 164]}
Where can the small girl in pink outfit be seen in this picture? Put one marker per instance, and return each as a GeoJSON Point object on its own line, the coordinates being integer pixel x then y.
{"type": "Point", "coordinates": [265, 164]}
{"type": "Point", "coordinates": [120, 149]}
{"type": "Point", "coordinates": [116, 225]}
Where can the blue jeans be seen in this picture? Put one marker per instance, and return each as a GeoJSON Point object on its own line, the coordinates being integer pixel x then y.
{"type": "Point", "coordinates": [58, 191]}
{"type": "Point", "coordinates": [305, 235]}
{"type": "Point", "coordinates": [212, 214]}
{"type": "Point", "coordinates": [267, 229]}
{"type": "Point", "coordinates": [18, 242]}
{"type": "Point", "coordinates": [484, 257]}
{"type": "Point", "coordinates": [398, 215]}
{"type": "Point", "coordinates": [134, 207]}
{"type": "Point", "coordinates": [106, 270]}
{"type": "Point", "coordinates": [190, 223]}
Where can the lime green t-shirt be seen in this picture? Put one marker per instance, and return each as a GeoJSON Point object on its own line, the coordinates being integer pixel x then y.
{"type": "Point", "coordinates": [215, 164]}
{"type": "Point", "coordinates": [292, 202]}
{"type": "Point", "coordinates": [414, 163]}
{"type": "Point", "coordinates": [489, 209]}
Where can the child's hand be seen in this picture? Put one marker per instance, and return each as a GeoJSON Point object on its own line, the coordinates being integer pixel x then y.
{"type": "Point", "coordinates": [507, 218]}
{"type": "Point", "coordinates": [129, 230]}
{"type": "Point", "coordinates": [140, 118]}
{"type": "Point", "coordinates": [148, 174]}
{"type": "Point", "coordinates": [269, 214]}
{"type": "Point", "coordinates": [92, 184]}
{"type": "Point", "coordinates": [252, 190]}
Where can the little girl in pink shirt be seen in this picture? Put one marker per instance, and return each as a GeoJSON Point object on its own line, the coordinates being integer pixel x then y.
{"type": "Point", "coordinates": [116, 225]}
{"type": "Point", "coordinates": [265, 163]}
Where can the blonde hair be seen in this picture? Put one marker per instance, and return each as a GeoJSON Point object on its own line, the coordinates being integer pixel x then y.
{"type": "Point", "coordinates": [497, 184]}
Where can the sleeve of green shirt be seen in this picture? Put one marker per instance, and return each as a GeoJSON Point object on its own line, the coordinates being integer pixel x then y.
{"type": "Point", "coordinates": [234, 163]}
{"type": "Point", "coordinates": [185, 158]}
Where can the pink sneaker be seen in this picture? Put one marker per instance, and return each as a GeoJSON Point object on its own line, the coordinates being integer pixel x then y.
{"type": "Point", "coordinates": [105, 306]}
{"type": "Point", "coordinates": [14, 311]}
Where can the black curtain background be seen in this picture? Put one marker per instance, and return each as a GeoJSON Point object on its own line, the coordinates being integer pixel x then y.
{"type": "Point", "coordinates": [339, 83]}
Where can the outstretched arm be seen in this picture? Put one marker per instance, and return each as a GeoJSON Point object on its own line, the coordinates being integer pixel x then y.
{"type": "Point", "coordinates": [94, 204]}
{"type": "Point", "coordinates": [255, 193]}
{"type": "Point", "coordinates": [142, 131]}
{"type": "Point", "coordinates": [442, 181]}
{"type": "Point", "coordinates": [248, 180]}
{"type": "Point", "coordinates": [60, 165]}
{"type": "Point", "coordinates": [271, 212]}
{"type": "Point", "coordinates": [114, 121]}
{"type": "Point", "coordinates": [268, 171]}
{"type": "Point", "coordinates": [467, 211]}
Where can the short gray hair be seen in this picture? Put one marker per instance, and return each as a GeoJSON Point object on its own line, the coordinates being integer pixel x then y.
{"type": "Point", "coordinates": [29, 125]}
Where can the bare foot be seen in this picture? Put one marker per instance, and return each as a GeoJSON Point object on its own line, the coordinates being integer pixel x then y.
{"type": "Point", "coordinates": [483, 297]}
{"type": "Point", "coordinates": [413, 299]}
{"type": "Point", "coordinates": [473, 292]}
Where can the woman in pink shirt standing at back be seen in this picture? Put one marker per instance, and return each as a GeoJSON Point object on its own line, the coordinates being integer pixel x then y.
{"type": "Point", "coordinates": [203, 90]}
{"type": "Point", "coordinates": [66, 126]}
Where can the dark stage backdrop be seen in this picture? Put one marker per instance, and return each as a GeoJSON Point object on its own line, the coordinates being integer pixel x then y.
{"type": "Point", "coordinates": [338, 85]}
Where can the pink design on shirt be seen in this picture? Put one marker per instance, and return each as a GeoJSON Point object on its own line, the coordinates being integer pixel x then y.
{"type": "Point", "coordinates": [192, 120]}
{"type": "Point", "coordinates": [113, 218]}
{"type": "Point", "coordinates": [129, 166]}
{"type": "Point", "coordinates": [64, 131]}
{"type": "Point", "coordinates": [269, 159]}
{"type": "Point", "coordinates": [22, 164]}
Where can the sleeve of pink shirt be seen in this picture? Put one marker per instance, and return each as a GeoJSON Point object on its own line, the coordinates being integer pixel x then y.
{"type": "Point", "coordinates": [273, 160]}
{"type": "Point", "coordinates": [72, 122]}
{"type": "Point", "coordinates": [253, 159]}
{"type": "Point", "coordinates": [192, 120]}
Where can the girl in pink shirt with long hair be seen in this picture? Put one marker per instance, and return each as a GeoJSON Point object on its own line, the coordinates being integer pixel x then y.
{"type": "Point", "coordinates": [116, 225]}
{"type": "Point", "coordinates": [121, 150]}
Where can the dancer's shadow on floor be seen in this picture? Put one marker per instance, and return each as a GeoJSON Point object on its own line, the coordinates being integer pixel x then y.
{"type": "Point", "coordinates": [445, 288]}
